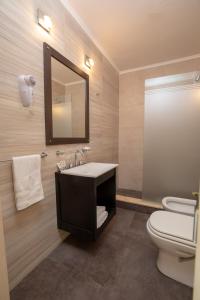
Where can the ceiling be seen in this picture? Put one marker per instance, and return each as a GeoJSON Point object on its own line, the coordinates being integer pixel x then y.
{"type": "Point", "coordinates": [136, 33]}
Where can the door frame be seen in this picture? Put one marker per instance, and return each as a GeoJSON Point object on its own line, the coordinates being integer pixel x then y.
{"type": "Point", "coordinates": [4, 286]}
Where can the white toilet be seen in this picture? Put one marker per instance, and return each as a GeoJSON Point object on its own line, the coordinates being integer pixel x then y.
{"type": "Point", "coordinates": [175, 236]}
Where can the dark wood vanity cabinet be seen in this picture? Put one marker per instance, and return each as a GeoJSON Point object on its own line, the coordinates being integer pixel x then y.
{"type": "Point", "coordinates": [77, 198]}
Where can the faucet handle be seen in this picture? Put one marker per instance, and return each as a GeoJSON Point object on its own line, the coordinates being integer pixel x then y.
{"type": "Point", "coordinates": [58, 152]}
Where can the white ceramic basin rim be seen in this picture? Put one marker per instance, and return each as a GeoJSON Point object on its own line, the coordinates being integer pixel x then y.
{"type": "Point", "coordinates": [92, 169]}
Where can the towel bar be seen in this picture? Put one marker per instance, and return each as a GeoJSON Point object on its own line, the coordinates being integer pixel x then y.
{"type": "Point", "coordinates": [43, 154]}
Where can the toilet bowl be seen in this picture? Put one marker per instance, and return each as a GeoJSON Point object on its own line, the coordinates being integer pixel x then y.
{"type": "Point", "coordinates": [180, 205]}
{"type": "Point", "coordinates": [175, 236]}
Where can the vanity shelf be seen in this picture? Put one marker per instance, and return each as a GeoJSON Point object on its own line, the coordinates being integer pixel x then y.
{"type": "Point", "coordinates": [78, 192]}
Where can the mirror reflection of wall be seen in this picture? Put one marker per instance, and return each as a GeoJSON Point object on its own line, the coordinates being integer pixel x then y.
{"type": "Point", "coordinates": [68, 101]}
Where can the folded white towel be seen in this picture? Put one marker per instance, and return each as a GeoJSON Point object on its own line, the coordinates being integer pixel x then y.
{"type": "Point", "coordinates": [27, 180]}
{"type": "Point", "coordinates": [100, 209]}
{"type": "Point", "coordinates": [101, 219]}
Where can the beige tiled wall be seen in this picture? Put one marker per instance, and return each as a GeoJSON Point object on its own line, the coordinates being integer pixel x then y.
{"type": "Point", "coordinates": [32, 233]}
{"type": "Point", "coordinates": [131, 120]}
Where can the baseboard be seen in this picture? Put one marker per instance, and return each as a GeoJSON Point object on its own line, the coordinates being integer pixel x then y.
{"type": "Point", "coordinates": [136, 207]}
{"type": "Point", "coordinates": [130, 193]}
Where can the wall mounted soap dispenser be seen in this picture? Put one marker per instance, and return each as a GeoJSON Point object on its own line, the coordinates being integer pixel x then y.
{"type": "Point", "coordinates": [26, 84]}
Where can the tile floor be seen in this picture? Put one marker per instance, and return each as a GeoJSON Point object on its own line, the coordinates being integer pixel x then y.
{"type": "Point", "coordinates": [121, 265]}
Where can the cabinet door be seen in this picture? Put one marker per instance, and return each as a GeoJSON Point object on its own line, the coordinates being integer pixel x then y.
{"type": "Point", "coordinates": [78, 201]}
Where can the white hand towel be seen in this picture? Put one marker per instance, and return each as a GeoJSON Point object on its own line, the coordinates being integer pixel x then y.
{"type": "Point", "coordinates": [101, 219]}
{"type": "Point", "coordinates": [100, 209]}
{"type": "Point", "coordinates": [27, 180]}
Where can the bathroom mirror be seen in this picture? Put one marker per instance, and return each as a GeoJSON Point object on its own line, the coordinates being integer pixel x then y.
{"type": "Point", "coordinates": [66, 100]}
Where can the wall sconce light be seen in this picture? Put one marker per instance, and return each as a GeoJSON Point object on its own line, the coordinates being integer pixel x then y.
{"type": "Point", "coordinates": [89, 62]}
{"type": "Point", "coordinates": [44, 21]}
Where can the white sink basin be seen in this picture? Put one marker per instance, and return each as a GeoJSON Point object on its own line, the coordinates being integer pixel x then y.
{"type": "Point", "coordinates": [90, 169]}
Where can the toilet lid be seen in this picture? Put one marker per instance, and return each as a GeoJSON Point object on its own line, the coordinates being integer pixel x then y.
{"type": "Point", "coordinates": [173, 224]}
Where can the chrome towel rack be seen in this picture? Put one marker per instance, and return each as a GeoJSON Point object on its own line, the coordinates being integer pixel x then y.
{"type": "Point", "coordinates": [43, 154]}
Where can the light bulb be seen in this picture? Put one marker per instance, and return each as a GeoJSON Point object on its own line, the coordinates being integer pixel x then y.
{"type": "Point", "coordinates": [44, 21]}
{"type": "Point", "coordinates": [47, 22]}
{"type": "Point", "coordinates": [91, 61]}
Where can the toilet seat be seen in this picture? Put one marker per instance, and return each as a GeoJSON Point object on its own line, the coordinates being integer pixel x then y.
{"type": "Point", "coordinates": [173, 227]}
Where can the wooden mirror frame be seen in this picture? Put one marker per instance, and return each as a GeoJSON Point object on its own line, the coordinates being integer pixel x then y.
{"type": "Point", "coordinates": [49, 52]}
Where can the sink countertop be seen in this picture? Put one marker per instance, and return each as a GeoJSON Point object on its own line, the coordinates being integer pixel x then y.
{"type": "Point", "coordinates": [91, 169]}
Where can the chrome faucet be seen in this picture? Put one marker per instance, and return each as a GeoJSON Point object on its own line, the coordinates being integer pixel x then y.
{"type": "Point", "coordinates": [77, 161]}
{"type": "Point", "coordinates": [81, 152]}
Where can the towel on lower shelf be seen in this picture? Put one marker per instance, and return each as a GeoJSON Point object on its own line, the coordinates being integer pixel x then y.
{"type": "Point", "coordinates": [100, 209]}
{"type": "Point", "coordinates": [27, 180]}
{"type": "Point", "coordinates": [101, 219]}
